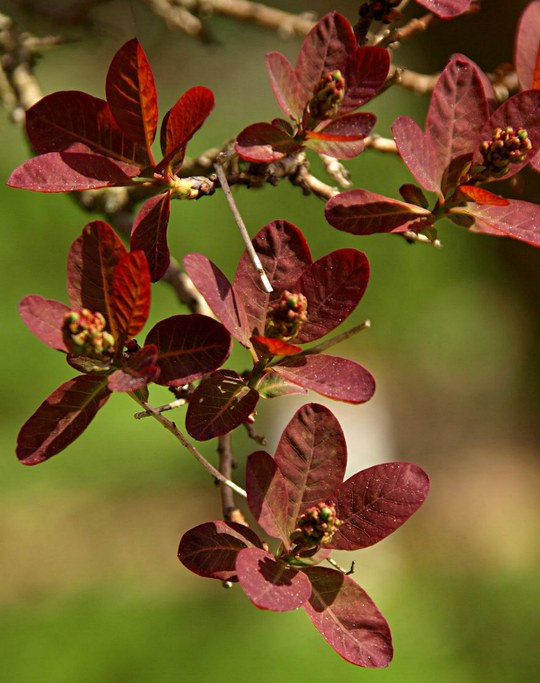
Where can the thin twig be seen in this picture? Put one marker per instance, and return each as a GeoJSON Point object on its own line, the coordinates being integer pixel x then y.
{"type": "Point", "coordinates": [231, 513]}
{"type": "Point", "coordinates": [241, 225]}
{"type": "Point", "coordinates": [339, 568]}
{"type": "Point", "coordinates": [319, 348]}
{"type": "Point", "coordinates": [161, 409]}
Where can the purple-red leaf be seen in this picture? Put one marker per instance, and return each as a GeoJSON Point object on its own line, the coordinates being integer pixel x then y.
{"type": "Point", "coordinates": [265, 143]}
{"type": "Point", "coordinates": [219, 295]}
{"type": "Point", "coordinates": [220, 403]}
{"type": "Point", "coordinates": [131, 94]}
{"type": "Point", "coordinates": [149, 233]}
{"type": "Point", "coordinates": [519, 219]}
{"type": "Point", "coordinates": [527, 53]}
{"type": "Point", "coordinates": [267, 495]}
{"type": "Point", "coordinates": [181, 123]}
{"type": "Point", "coordinates": [446, 9]}
{"type": "Point", "coordinates": [365, 74]}
{"type": "Point", "coordinates": [45, 318]}
{"type": "Point", "coordinates": [284, 254]}
{"type": "Point", "coordinates": [418, 152]}
{"type": "Point", "coordinates": [361, 212]}
{"type": "Point", "coordinates": [61, 418]}
{"type": "Point", "coordinates": [130, 295]}
{"type": "Point", "coordinates": [333, 286]}
{"type": "Point", "coordinates": [92, 260]}
{"type": "Point", "coordinates": [269, 583]}
{"type": "Point", "coordinates": [342, 138]}
{"type": "Point", "coordinates": [70, 172]}
{"type": "Point", "coordinates": [284, 85]}
{"type": "Point", "coordinates": [312, 456]}
{"type": "Point", "coordinates": [136, 372]}
{"type": "Point", "coordinates": [375, 502]}
{"type": "Point", "coordinates": [190, 346]}
{"type": "Point", "coordinates": [337, 378]}
{"type": "Point", "coordinates": [348, 619]}
{"type": "Point", "coordinates": [65, 119]}
{"type": "Point", "coordinates": [211, 549]}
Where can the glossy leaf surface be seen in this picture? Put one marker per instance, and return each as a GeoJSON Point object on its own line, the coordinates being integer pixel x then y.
{"type": "Point", "coordinates": [375, 502]}
{"type": "Point", "coordinates": [130, 295]}
{"type": "Point", "coordinates": [149, 233]}
{"type": "Point", "coordinates": [269, 583]}
{"type": "Point", "coordinates": [348, 619]}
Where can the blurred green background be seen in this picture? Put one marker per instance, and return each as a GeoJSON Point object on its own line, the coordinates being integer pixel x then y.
{"type": "Point", "coordinates": [91, 590]}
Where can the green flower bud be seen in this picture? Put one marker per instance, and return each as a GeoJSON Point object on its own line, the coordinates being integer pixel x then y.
{"type": "Point", "coordinates": [316, 526]}
{"type": "Point", "coordinates": [327, 95]}
{"type": "Point", "coordinates": [84, 334]}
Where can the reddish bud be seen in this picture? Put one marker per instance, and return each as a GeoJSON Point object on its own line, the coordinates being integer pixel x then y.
{"type": "Point", "coordinates": [317, 525]}
{"type": "Point", "coordinates": [286, 316]}
{"type": "Point", "coordinates": [507, 146]}
{"type": "Point", "coordinates": [84, 334]}
{"type": "Point", "coordinates": [327, 95]}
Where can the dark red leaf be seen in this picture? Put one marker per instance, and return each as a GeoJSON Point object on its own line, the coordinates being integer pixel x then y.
{"type": "Point", "coordinates": [312, 456]}
{"type": "Point", "coordinates": [131, 94]}
{"type": "Point", "coordinates": [481, 196]}
{"type": "Point", "coordinates": [149, 233]}
{"type": "Point", "coordinates": [274, 347]}
{"type": "Point", "coordinates": [419, 153]}
{"type": "Point", "coordinates": [211, 549]}
{"type": "Point", "coordinates": [348, 619]}
{"type": "Point", "coordinates": [130, 295]}
{"type": "Point", "coordinates": [220, 403]}
{"type": "Point", "coordinates": [181, 123]}
{"type": "Point", "coordinates": [219, 295]}
{"type": "Point", "coordinates": [269, 583]}
{"type": "Point", "coordinates": [337, 378]}
{"type": "Point", "coordinates": [70, 172]}
{"type": "Point", "coordinates": [527, 53]}
{"type": "Point", "coordinates": [333, 286]}
{"type": "Point", "coordinates": [342, 138]}
{"type": "Point", "coordinates": [190, 346]}
{"type": "Point", "coordinates": [136, 372]}
{"type": "Point", "coordinates": [267, 495]}
{"type": "Point", "coordinates": [446, 8]}
{"type": "Point", "coordinates": [412, 194]}
{"type": "Point", "coordinates": [365, 74]}
{"type": "Point", "coordinates": [61, 418]}
{"type": "Point", "coordinates": [363, 213]}
{"type": "Point", "coordinates": [519, 219]}
{"type": "Point", "coordinates": [272, 385]}
{"type": "Point", "coordinates": [375, 502]}
{"type": "Point", "coordinates": [264, 143]}
{"type": "Point", "coordinates": [45, 318]}
{"type": "Point", "coordinates": [284, 85]}
{"type": "Point", "coordinates": [92, 260]}
{"type": "Point", "coordinates": [284, 254]}
{"type": "Point", "coordinates": [65, 119]}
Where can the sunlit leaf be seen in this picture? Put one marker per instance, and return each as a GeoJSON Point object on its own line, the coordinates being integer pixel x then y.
{"type": "Point", "coordinates": [45, 318]}
{"type": "Point", "coordinates": [267, 494]}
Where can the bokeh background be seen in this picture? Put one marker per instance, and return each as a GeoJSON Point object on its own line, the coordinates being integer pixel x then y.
{"type": "Point", "coordinates": [90, 587]}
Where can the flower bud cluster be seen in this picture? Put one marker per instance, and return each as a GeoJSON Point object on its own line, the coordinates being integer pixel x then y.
{"type": "Point", "coordinates": [327, 95]}
{"type": "Point", "coordinates": [316, 526]}
{"type": "Point", "coordinates": [286, 316]}
{"type": "Point", "coordinates": [507, 146]}
{"type": "Point", "coordinates": [84, 334]}
{"type": "Point", "coordinates": [380, 10]}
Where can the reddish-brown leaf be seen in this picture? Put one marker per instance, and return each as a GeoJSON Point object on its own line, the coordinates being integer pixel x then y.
{"type": "Point", "coordinates": [139, 369]}
{"type": "Point", "coordinates": [149, 233]}
{"type": "Point", "coordinates": [337, 378]}
{"type": "Point", "coordinates": [131, 94]}
{"type": "Point", "coordinates": [527, 51]}
{"type": "Point", "coordinates": [211, 549]}
{"type": "Point", "coordinates": [284, 85]}
{"type": "Point", "coordinates": [265, 143]}
{"type": "Point", "coordinates": [375, 502]}
{"type": "Point", "coordinates": [482, 196]}
{"type": "Point", "coordinates": [446, 8]}
{"type": "Point", "coordinates": [312, 456]}
{"type": "Point", "coordinates": [267, 495]}
{"type": "Point", "coordinates": [348, 619]}
{"type": "Point", "coordinates": [130, 295]}
{"type": "Point", "coordinates": [190, 346]}
{"type": "Point", "coordinates": [274, 347]}
{"type": "Point", "coordinates": [269, 583]}
{"type": "Point", "coordinates": [220, 403]}
{"type": "Point", "coordinates": [61, 418]}
{"type": "Point", "coordinates": [419, 153]}
{"type": "Point", "coordinates": [519, 219]}
{"type": "Point", "coordinates": [45, 318]}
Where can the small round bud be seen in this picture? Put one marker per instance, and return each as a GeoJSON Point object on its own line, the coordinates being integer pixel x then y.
{"type": "Point", "coordinates": [316, 526]}
{"type": "Point", "coordinates": [286, 316]}
{"type": "Point", "coordinates": [84, 334]}
{"type": "Point", "coordinates": [507, 146]}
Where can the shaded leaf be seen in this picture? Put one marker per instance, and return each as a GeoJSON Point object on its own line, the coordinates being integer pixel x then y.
{"type": "Point", "coordinates": [190, 346]}
{"type": "Point", "coordinates": [418, 152]}
{"type": "Point", "coordinates": [267, 495]}
{"type": "Point", "coordinates": [342, 138]}
{"type": "Point", "coordinates": [130, 295]}
{"type": "Point", "coordinates": [333, 286]}
{"type": "Point", "coordinates": [220, 403]}
{"type": "Point", "coordinates": [519, 219]}
{"type": "Point", "coordinates": [348, 619]}
{"type": "Point", "coordinates": [365, 74]}
{"type": "Point", "coordinates": [219, 295]}
{"type": "Point", "coordinates": [527, 53]}
{"type": "Point", "coordinates": [284, 85]}
{"type": "Point", "coordinates": [337, 378]}
{"type": "Point", "coordinates": [149, 233]}
{"type": "Point", "coordinates": [264, 143]}
{"type": "Point", "coordinates": [61, 418]}
{"type": "Point", "coordinates": [139, 369]}
{"type": "Point", "coordinates": [70, 172]}
{"type": "Point", "coordinates": [269, 583]}
{"type": "Point", "coordinates": [211, 549]}
{"type": "Point", "coordinates": [45, 319]}
{"type": "Point", "coordinates": [284, 254]}
{"type": "Point", "coordinates": [363, 213]}
{"type": "Point", "coordinates": [375, 502]}
{"type": "Point", "coordinates": [446, 8]}
{"type": "Point", "coordinates": [131, 94]}
{"type": "Point", "coordinates": [312, 456]}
